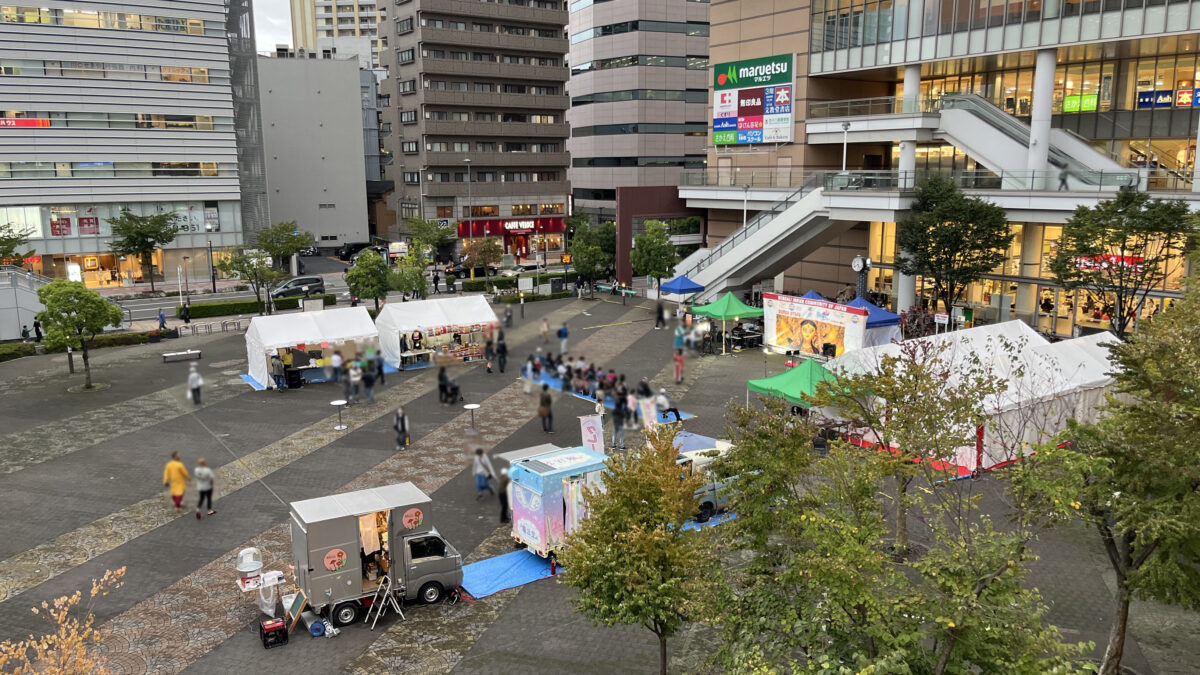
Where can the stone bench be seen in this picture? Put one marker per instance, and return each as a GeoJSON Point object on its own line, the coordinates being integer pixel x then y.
{"type": "Point", "coordinates": [185, 355]}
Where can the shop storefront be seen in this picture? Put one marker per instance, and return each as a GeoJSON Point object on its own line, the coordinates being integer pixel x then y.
{"type": "Point", "coordinates": [522, 238]}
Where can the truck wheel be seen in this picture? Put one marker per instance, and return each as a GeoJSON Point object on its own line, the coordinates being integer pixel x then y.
{"type": "Point", "coordinates": [346, 613]}
{"type": "Point", "coordinates": [706, 512]}
{"type": "Point", "coordinates": [431, 592]}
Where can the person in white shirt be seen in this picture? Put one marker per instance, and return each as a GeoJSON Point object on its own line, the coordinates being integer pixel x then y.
{"type": "Point", "coordinates": [194, 382]}
{"type": "Point", "coordinates": [663, 403]}
{"type": "Point", "coordinates": [336, 361]}
{"type": "Point", "coordinates": [482, 468]}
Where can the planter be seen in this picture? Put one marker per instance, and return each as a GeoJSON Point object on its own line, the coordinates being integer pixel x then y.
{"type": "Point", "coordinates": [155, 338]}
{"type": "Point", "coordinates": [173, 333]}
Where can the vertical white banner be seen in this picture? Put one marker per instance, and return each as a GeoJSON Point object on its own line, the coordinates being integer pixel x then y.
{"type": "Point", "coordinates": [649, 412]}
{"type": "Point", "coordinates": [591, 428]}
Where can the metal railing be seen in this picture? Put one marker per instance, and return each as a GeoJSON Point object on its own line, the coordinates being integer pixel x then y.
{"type": "Point", "coordinates": [1105, 182]}
{"type": "Point", "coordinates": [811, 182]}
{"type": "Point", "coordinates": [878, 105]}
{"type": "Point", "coordinates": [730, 178]}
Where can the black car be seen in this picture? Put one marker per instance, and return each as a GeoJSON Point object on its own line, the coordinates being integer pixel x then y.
{"type": "Point", "coordinates": [461, 271]}
{"type": "Point", "coordinates": [310, 251]}
{"type": "Point", "coordinates": [348, 250]}
{"type": "Point", "coordinates": [380, 250]}
{"type": "Point", "coordinates": [296, 287]}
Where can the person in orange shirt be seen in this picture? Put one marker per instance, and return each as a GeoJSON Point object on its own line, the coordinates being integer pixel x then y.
{"type": "Point", "coordinates": [175, 477]}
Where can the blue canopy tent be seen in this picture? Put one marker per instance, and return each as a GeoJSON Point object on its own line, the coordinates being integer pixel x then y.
{"type": "Point", "coordinates": [883, 327]}
{"type": "Point", "coordinates": [813, 295]}
{"type": "Point", "coordinates": [681, 285]}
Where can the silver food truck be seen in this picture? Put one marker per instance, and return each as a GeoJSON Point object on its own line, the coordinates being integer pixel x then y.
{"type": "Point", "coordinates": [348, 546]}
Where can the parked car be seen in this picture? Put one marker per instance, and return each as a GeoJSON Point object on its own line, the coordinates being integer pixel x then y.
{"type": "Point", "coordinates": [381, 250]}
{"type": "Point", "coordinates": [295, 287]}
{"type": "Point", "coordinates": [348, 250]}
{"type": "Point", "coordinates": [310, 251]}
{"type": "Point", "coordinates": [461, 271]}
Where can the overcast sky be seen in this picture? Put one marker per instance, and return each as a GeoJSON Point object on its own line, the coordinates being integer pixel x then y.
{"type": "Point", "coordinates": [272, 24]}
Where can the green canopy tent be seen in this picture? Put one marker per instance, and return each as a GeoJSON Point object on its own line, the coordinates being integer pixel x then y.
{"type": "Point", "coordinates": [792, 384]}
{"type": "Point", "coordinates": [728, 307]}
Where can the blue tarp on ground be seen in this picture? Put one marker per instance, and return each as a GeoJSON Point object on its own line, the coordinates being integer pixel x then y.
{"type": "Point", "coordinates": [723, 517]}
{"type": "Point", "coordinates": [510, 570]}
{"type": "Point", "coordinates": [253, 383]}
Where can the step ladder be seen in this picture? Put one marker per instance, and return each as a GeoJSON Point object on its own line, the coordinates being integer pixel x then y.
{"type": "Point", "coordinates": [384, 597]}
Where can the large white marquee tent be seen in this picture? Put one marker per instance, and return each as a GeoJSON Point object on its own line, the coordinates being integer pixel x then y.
{"type": "Point", "coordinates": [398, 318]}
{"type": "Point", "coordinates": [281, 331]}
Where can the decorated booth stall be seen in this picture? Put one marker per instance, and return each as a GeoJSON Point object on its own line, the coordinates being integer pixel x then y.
{"type": "Point", "coordinates": [305, 342]}
{"type": "Point", "coordinates": [811, 326]}
{"type": "Point", "coordinates": [415, 334]}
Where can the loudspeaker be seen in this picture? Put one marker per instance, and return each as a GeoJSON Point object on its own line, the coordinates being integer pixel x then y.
{"type": "Point", "coordinates": [829, 350]}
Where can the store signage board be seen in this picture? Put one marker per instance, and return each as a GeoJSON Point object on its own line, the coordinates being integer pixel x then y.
{"type": "Point", "coordinates": [1161, 98]}
{"type": "Point", "coordinates": [941, 318]}
{"type": "Point", "coordinates": [1081, 103]}
{"type": "Point", "coordinates": [796, 323]}
{"type": "Point", "coordinates": [22, 122]}
{"type": "Point", "coordinates": [753, 101]}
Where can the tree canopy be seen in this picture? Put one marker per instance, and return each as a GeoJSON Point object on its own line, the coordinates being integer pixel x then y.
{"type": "Point", "coordinates": [252, 267]}
{"type": "Point", "coordinates": [951, 239]}
{"type": "Point", "coordinates": [74, 316]}
{"type": "Point", "coordinates": [140, 236]}
{"type": "Point", "coordinates": [12, 245]}
{"type": "Point", "coordinates": [369, 277]}
{"type": "Point", "coordinates": [430, 234]}
{"type": "Point", "coordinates": [282, 241]}
{"type": "Point", "coordinates": [485, 253]}
{"type": "Point", "coordinates": [653, 253]}
{"type": "Point", "coordinates": [1124, 248]}
{"type": "Point", "coordinates": [587, 252]}
{"type": "Point", "coordinates": [408, 276]}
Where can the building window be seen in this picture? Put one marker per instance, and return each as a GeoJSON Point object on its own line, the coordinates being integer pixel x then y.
{"type": "Point", "coordinates": [550, 209]}
{"type": "Point", "coordinates": [483, 56]}
{"type": "Point", "coordinates": [433, 23]}
{"type": "Point", "coordinates": [458, 56]}
{"type": "Point", "coordinates": [485, 176]}
{"type": "Point", "coordinates": [485, 87]}
{"type": "Point", "coordinates": [433, 53]}
{"type": "Point", "coordinates": [437, 85]}
{"type": "Point", "coordinates": [524, 209]}
{"type": "Point", "coordinates": [408, 116]}
{"type": "Point", "coordinates": [445, 212]}
{"type": "Point", "coordinates": [462, 147]}
{"type": "Point", "coordinates": [457, 86]}
{"type": "Point", "coordinates": [409, 210]}
{"type": "Point", "coordinates": [407, 86]}
{"type": "Point", "coordinates": [412, 178]}
{"type": "Point", "coordinates": [516, 147]}
{"type": "Point", "coordinates": [326, 206]}
{"type": "Point", "coordinates": [460, 177]}
{"type": "Point", "coordinates": [406, 56]}
{"type": "Point", "coordinates": [485, 146]}
{"type": "Point", "coordinates": [543, 119]}
{"type": "Point", "coordinates": [545, 91]}
{"type": "Point", "coordinates": [442, 177]}
{"type": "Point", "coordinates": [460, 116]}
{"type": "Point", "coordinates": [404, 25]}
{"type": "Point", "coordinates": [544, 147]}
{"type": "Point", "coordinates": [481, 27]}
{"type": "Point", "coordinates": [514, 88]}
{"type": "Point", "coordinates": [437, 146]}
{"type": "Point", "coordinates": [490, 210]}
{"type": "Point", "coordinates": [516, 177]}
{"type": "Point", "coordinates": [409, 147]}
{"type": "Point", "coordinates": [485, 117]}
{"type": "Point", "coordinates": [514, 30]}
{"type": "Point", "coordinates": [439, 115]}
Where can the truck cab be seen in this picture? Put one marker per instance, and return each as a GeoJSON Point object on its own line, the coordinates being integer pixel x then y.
{"type": "Point", "coordinates": [431, 566]}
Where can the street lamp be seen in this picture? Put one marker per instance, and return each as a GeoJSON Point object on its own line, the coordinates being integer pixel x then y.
{"type": "Point", "coordinates": [187, 272]}
{"type": "Point", "coordinates": [470, 214]}
{"type": "Point", "coordinates": [845, 135]}
{"type": "Point", "coordinates": [212, 271]}
{"type": "Point", "coordinates": [745, 198]}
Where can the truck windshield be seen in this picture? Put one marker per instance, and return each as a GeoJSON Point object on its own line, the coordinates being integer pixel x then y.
{"type": "Point", "coordinates": [426, 547]}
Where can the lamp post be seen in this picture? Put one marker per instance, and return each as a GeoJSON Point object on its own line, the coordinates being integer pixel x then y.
{"type": "Point", "coordinates": [845, 135]}
{"type": "Point", "coordinates": [470, 214]}
{"type": "Point", "coordinates": [212, 271]}
{"type": "Point", "coordinates": [745, 198]}
{"type": "Point", "coordinates": [187, 272]}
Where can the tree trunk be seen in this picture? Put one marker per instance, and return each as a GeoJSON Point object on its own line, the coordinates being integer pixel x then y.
{"type": "Point", "coordinates": [662, 654]}
{"type": "Point", "coordinates": [1111, 665]}
{"type": "Point", "coordinates": [87, 366]}
{"type": "Point", "coordinates": [148, 264]}
{"type": "Point", "coordinates": [901, 515]}
{"type": "Point", "coordinates": [376, 305]}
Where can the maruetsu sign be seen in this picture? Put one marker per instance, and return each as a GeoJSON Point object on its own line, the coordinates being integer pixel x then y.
{"type": "Point", "coordinates": [753, 73]}
{"type": "Point", "coordinates": [752, 101]}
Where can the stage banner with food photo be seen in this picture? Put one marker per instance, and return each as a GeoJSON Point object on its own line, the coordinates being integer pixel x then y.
{"type": "Point", "coordinates": [792, 323]}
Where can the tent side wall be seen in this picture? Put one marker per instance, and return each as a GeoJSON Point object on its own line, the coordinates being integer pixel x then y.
{"type": "Point", "coordinates": [389, 338]}
{"type": "Point", "coordinates": [256, 360]}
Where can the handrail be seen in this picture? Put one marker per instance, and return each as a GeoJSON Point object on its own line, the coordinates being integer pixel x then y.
{"type": "Point", "coordinates": [876, 105]}
{"type": "Point", "coordinates": [1023, 181]}
{"type": "Point", "coordinates": [754, 224]}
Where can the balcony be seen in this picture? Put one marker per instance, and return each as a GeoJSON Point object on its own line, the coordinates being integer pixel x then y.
{"type": "Point", "coordinates": [501, 129]}
{"type": "Point", "coordinates": [494, 70]}
{"type": "Point", "coordinates": [532, 102]}
{"type": "Point", "coordinates": [488, 160]}
{"type": "Point", "coordinates": [497, 189]}
{"type": "Point", "coordinates": [556, 18]}
{"type": "Point", "coordinates": [517, 43]}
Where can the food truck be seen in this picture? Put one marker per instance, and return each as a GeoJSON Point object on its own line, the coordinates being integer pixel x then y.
{"type": "Point", "coordinates": [346, 546]}
{"type": "Point", "coordinates": [547, 495]}
{"type": "Point", "coordinates": [696, 453]}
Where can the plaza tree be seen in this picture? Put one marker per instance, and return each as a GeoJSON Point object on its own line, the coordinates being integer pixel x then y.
{"type": "Point", "coordinates": [253, 266]}
{"type": "Point", "coordinates": [1125, 248]}
{"type": "Point", "coordinates": [281, 241]}
{"type": "Point", "coordinates": [1139, 468]}
{"type": "Point", "coordinates": [141, 236]}
{"type": "Point", "coordinates": [430, 234]}
{"type": "Point", "coordinates": [369, 277]}
{"type": "Point", "coordinates": [408, 276]}
{"type": "Point", "coordinates": [587, 253]}
{"type": "Point", "coordinates": [485, 254]}
{"type": "Point", "coordinates": [12, 245]}
{"type": "Point", "coordinates": [653, 253]}
{"type": "Point", "coordinates": [631, 560]}
{"type": "Point", "coordinates": [951, 239]}
{"type": "Point", "coordinates": [74, 316]}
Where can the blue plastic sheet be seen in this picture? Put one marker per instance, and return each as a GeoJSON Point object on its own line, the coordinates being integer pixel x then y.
{"type": "Point", "coordinates": [510, 570]}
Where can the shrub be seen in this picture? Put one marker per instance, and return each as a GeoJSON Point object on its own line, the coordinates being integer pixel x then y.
{"type": "Point", "coordinates": [201, 310]}
{"type": "Point", "coordinates": [15, 350]}
{"type": "Point", "coordinates": [514, 298]}
{"type": "Point", "coordinates": [503, 283]}
{"type": "Point", "coordinates": [113, 340]}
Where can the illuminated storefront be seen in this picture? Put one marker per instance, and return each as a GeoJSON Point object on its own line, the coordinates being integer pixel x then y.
{"type": "Point", "coordinates": [1023, 286]}
{"type": "Point", "coordinates": [519, 237]}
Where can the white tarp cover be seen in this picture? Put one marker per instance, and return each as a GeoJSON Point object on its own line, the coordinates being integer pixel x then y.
{"type": "Point", "coordinates": [268, 333]}
{"type": "Point", "coordinates": [1048, 383]}
{"type": "Point", "coordinates": [403, 317]}
{"type": "Point", "coordinates": [882, 335]}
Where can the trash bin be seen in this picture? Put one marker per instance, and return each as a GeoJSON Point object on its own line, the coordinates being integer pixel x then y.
{"type": "Point", "coordinates": [556, 285]}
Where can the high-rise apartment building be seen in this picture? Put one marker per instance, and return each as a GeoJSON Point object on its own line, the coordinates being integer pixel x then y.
{"type": "Point", "coordinates": [148, 107]}
{"type": "Point", "coordinates": [477, 108]}
{"type": "Point", "coordinates": [316, 23]}
{"type": "Point", "coordinates": [639, 96]}
{"type": "Point", "coordinates": [1036, 106]}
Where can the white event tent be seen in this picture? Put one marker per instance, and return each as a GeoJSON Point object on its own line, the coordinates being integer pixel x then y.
{"type": "Point", "coordinates": [279, 331]}
{"type": "Point", "coordinates": [1048, 384]}
{"type": "Point", "coordinates": [398, 318]}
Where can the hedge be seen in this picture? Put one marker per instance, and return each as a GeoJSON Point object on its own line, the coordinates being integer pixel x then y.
{"type": "Point", "coordinates": [110, 340]}
{"type": "Point", "coordinates": [504, 283]}
{"type": "Point", "coordinates": [202, 310]}
{"type": "Point", "coordinates": [15, 350]}
{"type": "Point", "coordinates": [514, 298]}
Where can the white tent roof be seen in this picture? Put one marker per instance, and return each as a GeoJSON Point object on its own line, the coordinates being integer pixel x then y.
{"type": "Point", "coordinates": [286, 330]}
{"type": "Point", "coordinates": [461, 309]}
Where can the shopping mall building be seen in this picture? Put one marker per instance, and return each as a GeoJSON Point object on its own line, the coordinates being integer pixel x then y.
{"type": "Point", "coordinates": [826, 113]}
{"type": "Point", "coordinates": [147, 107]}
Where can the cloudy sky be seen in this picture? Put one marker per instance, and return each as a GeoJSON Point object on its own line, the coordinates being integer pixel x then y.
{"type": "Point", "coordinates": [272, 24]}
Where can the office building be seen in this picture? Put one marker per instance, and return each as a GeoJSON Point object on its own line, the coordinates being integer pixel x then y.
{"type": "Point", "coordinates": [1037, 107]}
{"type": "Point", "coordinates": [639, 95]}
{"type": "Point", "coordinates": [477, 119]}
{"type": "Point", "coordinates": [314, 21]}
{"type": "Point", "coordinates": [314, 145]}
{"type": "Point", "coordinates": [146, 107]}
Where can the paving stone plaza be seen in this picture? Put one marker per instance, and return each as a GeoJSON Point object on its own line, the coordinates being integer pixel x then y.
{"type": "Point", "coordinates": [81, 493]}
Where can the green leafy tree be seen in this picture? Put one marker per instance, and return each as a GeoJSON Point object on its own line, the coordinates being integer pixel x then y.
{"type": "Point", "coordinates": [485, 254]}
{"type": "Point", "coordinates": [951, 239]}
{"type": "Point", "coordinates": [1124, 247]}
{"type": "Point", "coordinates": [11, 243]}
{"type": "Point", "coordinates": [408, 276]}
{"type": "Point", "coordinates": [587, 253]}
{"type": "Point", "coordinates": [631, 560]}
{"type": "Point", "coordinates": [1140, 468]}
{"type": "Point", "coordinates": [369, 277]}
{"type": "Point", "coordinates": [74, 316]}
{"type": "Point", "coordinates": [141, 236]}
{"type": "Point", "coordinates": [606, 239]}
{"type": "Point", "coordinates": [574, 223]}
{"type": "Point", "coordinates": [282, 241]}
{"type": "Point", "coordinates": [430, 234]}
{"type": "Point", "coordinates": [653, 253]}
{"type": "Point", "coordinates": [253, 267]}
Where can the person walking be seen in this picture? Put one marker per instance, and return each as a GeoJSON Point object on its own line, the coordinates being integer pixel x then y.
{"type": "Point", "coordinates": [544, 403]}
{"type": "Point", "coordinates": [400, 424]}
{"type": "Point", "coordinates": [379, 366]}
{"type": "Point", "coordinates": [1062, 179]}
{"type": "Point", "coordinates": [482, 468]}
{"type": "Point", "coordinates": [175, 479]}
{"type": "Point", "coordinates": [37, 330]}
{"type": "Point", "coordinates": [185, 313]}
{"type": "Point", "coordinates": [194, 382]}
{"type": "Point", "coordinates": [545, 329]}
{"type": "Point", "coordinates": [619, 418]}
{"type": "Point", "coordinates": [368, 380]}
{"type": "Point", "coordinates": [436, 278]}
{"type": "Point", "coordinates": [508, 316]}
{"type": "Point", "coordinates": [278, 374]}
{"type": "Point", "coordinates": [660, 316]}
{"type": "Point", "coordinates": [501, 351]}
{"type": "Point", "coordinates": [562, 339]}
{"type": "Point", "coordinates": [678, 366]}
{"type": "Point", "coordinates": [204, 485]}
{"type": "Point", "coordinates": [527, 376]}
{"type": "Point", "coordinates": [663, 403]}
{"type": "Point", "coordinates": [489, 355]}
{"type": "Point", "coordinates": [353, 381]}
{"type": "Point", "coordinates": [502, 492]}
{"type": "Point", "coordinates": [162, 319]}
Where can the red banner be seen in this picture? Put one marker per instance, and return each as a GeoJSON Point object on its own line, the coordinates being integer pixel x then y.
{"type": "Point", "coordinates": [502, 226]}
{"type": "Point", "coordinates": [89, 225]}
{"type": "Point", "coordinates": [1108, 262]}
{"type": "Point", "coordinates": [23, 122]}
{"type": "Point", "coordinates": [60, 227]}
